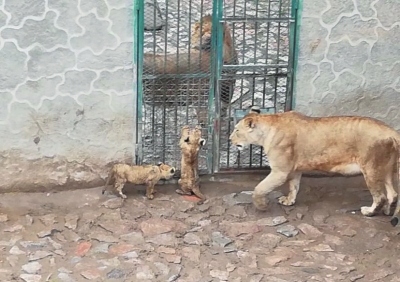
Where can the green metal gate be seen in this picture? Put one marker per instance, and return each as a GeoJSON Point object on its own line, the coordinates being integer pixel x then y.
{"type": "Point", "coordinates": [210, 90]}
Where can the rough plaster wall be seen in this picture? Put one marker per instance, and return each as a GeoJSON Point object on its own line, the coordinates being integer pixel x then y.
{"type": "Point", "coordinates": [349, 59]}
{"type": "Point", "coordinates": [66, 107]}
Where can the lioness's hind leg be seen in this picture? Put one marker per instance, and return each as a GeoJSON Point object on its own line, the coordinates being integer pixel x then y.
{"type": "Point", "coordinates": [197, 192]}
{"type": "Point", "coordinates": [376, 186]}
{"type": "Point", "coordinates": [391, 194]}
{"type": "Point", "coordinates": [294, 185]}
{"type": "Point", "coordinates": [272, 181]}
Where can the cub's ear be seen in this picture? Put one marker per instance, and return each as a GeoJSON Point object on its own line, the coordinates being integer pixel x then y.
{"type": "Point", "coordinates": [159, 164]}
{"type": "Point", "coordinates": [249, 122]}
{"type": "Point", "coordinates": [255, 109]}
{"type": "Point", "coordinates": [186, 139]}
{"type": "Point", "coordinates": [172, 170]}
{"type": "Point", "coordinates": [202, 142]}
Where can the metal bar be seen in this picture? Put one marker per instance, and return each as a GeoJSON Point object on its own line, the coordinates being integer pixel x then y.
{"type": "Point", "coordinates": [250, 66]}
{"type": "Point", "coordinates": [137, 60]}
{"type": "Point", "coordinates": [245, 19]}
{"type": "Point", "coordinates": [166, 76]}
{"type": "Point", "coordinates": [293, 54]}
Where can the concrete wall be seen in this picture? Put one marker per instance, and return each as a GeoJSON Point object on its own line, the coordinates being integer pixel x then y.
{"type": "Point", "coordinates": [66, 106]}
{"type": "Point", "coordinates": [349, 59]}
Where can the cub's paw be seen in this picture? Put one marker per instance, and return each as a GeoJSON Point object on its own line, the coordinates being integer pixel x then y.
{"type": "Point", "coordinates": [284, 201]}
{"type": "Point", "coordinates": [260, 202]}
{"type": "Point", "coordinates": [367, 211]}
{"type": "Point", "coordinates": [150, 197]}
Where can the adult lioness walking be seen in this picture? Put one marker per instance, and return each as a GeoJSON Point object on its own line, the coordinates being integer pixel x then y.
{"type": "Point", "coordinates": [343, 144]}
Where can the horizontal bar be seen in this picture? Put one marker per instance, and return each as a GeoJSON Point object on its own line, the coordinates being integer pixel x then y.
{"type": "Point", "coordinates": [251, 75]}
{"type": "Point", "coordinates": [254, 66]}
{"type": "Point", "coordinates": [180, 76]}
{"type": "Point", "coordinates": [244, 19]}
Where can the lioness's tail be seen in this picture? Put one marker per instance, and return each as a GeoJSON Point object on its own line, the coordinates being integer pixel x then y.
{"type": "Point", "coordinates": [396, 215]}
{"type": "Point", "coordinates": [110, 175]}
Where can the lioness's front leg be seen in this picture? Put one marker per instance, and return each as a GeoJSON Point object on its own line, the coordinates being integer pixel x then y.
{"type": "Point", "coordinates": [294, 185]}
{"type": "Point", "coordinates": [272, 181]}
{"type": "Point", "coordinates": [150, 191]}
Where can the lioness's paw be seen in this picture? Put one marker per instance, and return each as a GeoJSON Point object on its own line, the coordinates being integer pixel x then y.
{"type": "Point", "coordinates": [387, 209]}
{"type": "Point", "coordinates": [367, 211]}
{"type": "Point", "coordinates": [150, 197]}
{"type": "Point", "coordinates": [123, 196]}
{"type": "Point", "coordinates": [260, 203]}
{"type": "Point", "coordinates": [283, 200]}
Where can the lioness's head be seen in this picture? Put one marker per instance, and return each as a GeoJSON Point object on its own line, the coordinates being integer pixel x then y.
{"type": "Point", "coordinates": [191, 140]}
{"type": "Point", "coordinates": [246, 131]}
{"type": "Point", "coordinates": [167, 171]}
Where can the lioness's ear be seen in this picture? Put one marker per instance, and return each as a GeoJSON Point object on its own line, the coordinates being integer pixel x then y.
{"type": "Point", "coordinates": [249, 122]}
{"type": "Point", "coordinates": [202, 142]}
{"type": "Point", "coordinates": [255, 109]}
{"type": "Point", "coordinates": [172, 170]}
{"type": "Point", "coordinates": [186, 139]}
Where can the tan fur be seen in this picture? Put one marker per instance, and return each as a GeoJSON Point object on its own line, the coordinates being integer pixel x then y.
{"type": "Point", "coordinates": [144, 174]}
{"type": "Point", "coordinates": [190, 144]}
{"type": "Point", "coordinates": [295, 143]}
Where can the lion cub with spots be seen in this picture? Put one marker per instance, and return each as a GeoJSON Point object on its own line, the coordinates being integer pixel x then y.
{"type": "Point", "coordinates": [190, 144]}
{"type": "Point", "coordinates": [135, 174]}
{"type": "Point", "coordinates": [295, 143]}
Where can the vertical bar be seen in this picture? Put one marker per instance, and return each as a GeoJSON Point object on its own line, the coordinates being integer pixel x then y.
{"type": "Point", "coordinates": [137, 60]}
{"type": "Point", "coordinates": [213, 157]}
{"type": "Point", "coordinates": [293, 53]}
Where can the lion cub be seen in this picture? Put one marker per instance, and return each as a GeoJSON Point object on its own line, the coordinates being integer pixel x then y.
{"type": "Point", "coordinates": [135, 174]}
{"type": "Point", "coordinates": [190, 144]}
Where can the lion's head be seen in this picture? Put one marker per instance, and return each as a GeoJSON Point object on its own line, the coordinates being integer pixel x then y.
{"type": "Point", "coordinates": [167, 171]}
{"type": "Point", "coordinates": [201, 35]}
{"type": "Point", "coordinates": [191, 139]}
{"type": "Point", "coordinates": [246, 131]}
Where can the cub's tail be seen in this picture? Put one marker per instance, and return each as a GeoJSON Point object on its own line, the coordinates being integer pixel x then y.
{"type": "Point", "coordinates": [110, 175]}
{"type": "Point", "coordinates": [396, 215]}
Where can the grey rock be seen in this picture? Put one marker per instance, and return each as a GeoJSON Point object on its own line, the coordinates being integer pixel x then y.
{"type": "Point", "coordinates": [101, 248]}
{"type": "Point", "coordinates": [166, 239]}
{"type": "Point", "coordinates": [12, 260]}
{"type": "Point", "coordinates": [14, 228]}
{"type": "Point", "coordinates": [75, 260]}
{"type": "Point", "coordinates": [114, 203]}
{"type": "Point", "coordinates": [272, 221]}
{"type": "Point", "coordinates": [309, 230]}
{"type": "Point", "coordinates": [287, 230]}
{"type": "Point", "coordinates": [192, 239]}
{"type": "Point", "coordinates": [104, 238]}
{"type": "Point", "coordinates": [385, 9]}
{"type": "Point", "coordinates": [16, 251]}
{"type": "Point", "coordinates": [337, 7]}
{"type": "Point", "coordinates": [43, 32]}
{"type": "Point", "coordinates": [270, 241]}
{"type": "Point", "coordinates": [244, 197]}
{"type": "Point", "coordinates": [33, 244]}
{"type": "Point", "coordinates": [144, 272]}
{"type": "Point", "coordinates": [355, 55]}
{"type": "Point", "coordinates": [134, 237]}
{"type": "Point", "coordinates": [173, 277]}
{"type": "Point", "coordinates": [38, 255]}
{"type": "Point", "coordinates": [385, 49]}
{"type": "Point", "coordinates": [32, 267]}
{"type": "Point", "coordinates": [162, 268]}
{"type": "Point", "coordinates": [220, 240]}
{"type": "Point", "coordinates": [71, 221]}
{"type": "Point", "coordinates": [237, 211]}
{"type": "Point", "coordinates": [116, 274]}
{"type": "Point", "coordinates": [355, 28]}
{"type": "Point", "coordinates": [46, 233]}
{"type": "Point", "coordinates": [65, 277]}
{"type": "Point", "coordinates": [30, 277]}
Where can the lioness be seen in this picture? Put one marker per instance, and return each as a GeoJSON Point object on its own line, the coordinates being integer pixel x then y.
{"type": "Point", "coordinates": [343, 144]}
{"type": "Point", "coordinates": [143, 174]}
{"type": "Point", "coordinates": [190, 144]}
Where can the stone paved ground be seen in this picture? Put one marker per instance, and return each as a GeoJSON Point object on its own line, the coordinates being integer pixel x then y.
{"type": "Point", "coordinates": [82, 235]}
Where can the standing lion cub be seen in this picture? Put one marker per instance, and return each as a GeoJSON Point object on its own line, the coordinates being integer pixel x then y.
{"type": "Point", "coordinates": [190, 144]}
{"type": "Point", "coordinates": [343, 144]}
{"type": "Point", "coordinates": [135, 174]}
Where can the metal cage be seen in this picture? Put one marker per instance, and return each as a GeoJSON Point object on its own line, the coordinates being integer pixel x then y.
{"type": "Point", "coordinates": [184, 75]}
